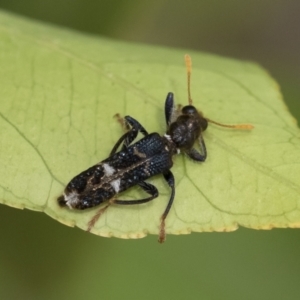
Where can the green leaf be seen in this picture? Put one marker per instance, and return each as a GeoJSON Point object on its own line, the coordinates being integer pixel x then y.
{"type": "Point", "coordinates": [59, 93]}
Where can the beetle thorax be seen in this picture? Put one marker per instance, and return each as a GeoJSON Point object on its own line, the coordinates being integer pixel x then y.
{"type": "Point", "coordinates": [187, 128]}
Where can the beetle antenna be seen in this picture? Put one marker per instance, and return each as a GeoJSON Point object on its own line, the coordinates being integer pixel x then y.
{"type": "Point", "coordinates": [237, 126]}
{"type": "Point", "coordinates": [188, 63]}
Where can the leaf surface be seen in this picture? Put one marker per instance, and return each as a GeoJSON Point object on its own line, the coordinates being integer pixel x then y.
{"type": "Point", "coordinates": [59, 93]}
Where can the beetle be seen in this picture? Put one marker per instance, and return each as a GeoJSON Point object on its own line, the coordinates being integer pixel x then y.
{"type": "Point", "coordinates": [136, 162]}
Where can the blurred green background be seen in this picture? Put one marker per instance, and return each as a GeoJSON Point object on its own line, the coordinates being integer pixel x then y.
{"type": "Point", "coordinates": [42, 259]}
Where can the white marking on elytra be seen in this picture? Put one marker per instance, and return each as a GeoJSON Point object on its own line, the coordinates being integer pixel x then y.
{"type": "Point", "coordinates": [116, 185]}
{"type": "Point", "coordinates": [168, 137]}
{"type": "Point", "coordinates": [108, 170]}
{"type": "Point", "coordinates": [71, 199]}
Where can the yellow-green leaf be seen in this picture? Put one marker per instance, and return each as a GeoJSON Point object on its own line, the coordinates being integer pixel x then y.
{"type": "Point", "coordinates": [60, 90]}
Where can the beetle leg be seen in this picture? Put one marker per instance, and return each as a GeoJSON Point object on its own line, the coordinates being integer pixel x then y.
{"type": "Point", "coordinates": [147, 187]}
{"type": "Point", "coordinates": [195, 155]}
{"type": "Point", "coordinates": [169, 177]}
{"type": "Point", "coordinates": [127, 138]}
{"type": "Point", "coordinates": [169, 108]}
{"type": "Point", "coordinates": [130, 135]}
{"type": "Point", "coordinates": [136, 125]}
